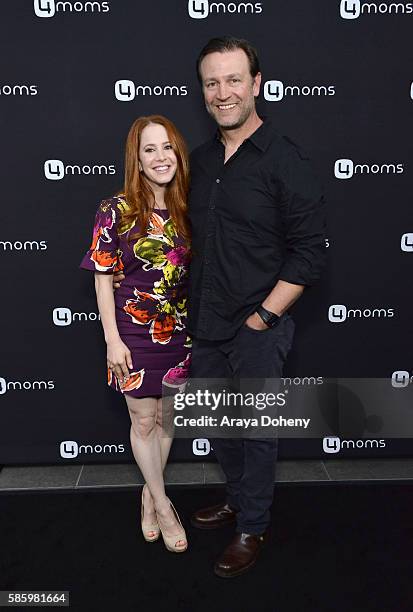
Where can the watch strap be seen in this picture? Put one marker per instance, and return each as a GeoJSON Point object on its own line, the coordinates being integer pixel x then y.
{"type": "Point", "coordinates": [270, 318]}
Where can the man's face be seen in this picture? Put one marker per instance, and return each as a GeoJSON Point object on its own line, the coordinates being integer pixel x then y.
{"type": "Point", "coordinates": [228, 87]}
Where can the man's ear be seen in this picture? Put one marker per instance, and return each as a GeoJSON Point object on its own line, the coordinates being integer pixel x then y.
{"type": "Point", "coordinates": [257, 84]}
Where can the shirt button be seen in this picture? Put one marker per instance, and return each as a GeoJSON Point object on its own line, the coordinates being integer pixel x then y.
{"type": "Point", "coordinates": [218, 180]}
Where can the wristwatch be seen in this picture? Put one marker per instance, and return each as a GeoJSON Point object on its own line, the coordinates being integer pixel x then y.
{"type": "Point", "coordinates": [270, 318]}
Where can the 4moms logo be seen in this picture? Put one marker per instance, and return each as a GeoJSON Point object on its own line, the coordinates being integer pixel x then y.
{"type": "Point", "coordinates": [306, 380]}
{"type": "Point", "coordinates": [48, 8]}
{"type": "Point", "coordinates": [352, 9]}
{"type": "Point", "coordinates": [346, 168]}
{"type": "Point", "coordinates": [201, 446]}
{"type": "Point", "coordinates": [200, 9]}
{"type": "Point", "coordinates": [406, 243]}
{"type": "Point", "coordinates": [338, 313]}
{"type": "Point", "coordinates": [27, 245]}
{"type": "Point", "coordinates": [18, 90]}
{"type": "Point", "coordinates": [401, 378]}
{"type": "Point", "coordinates": [126, 90]}
{"type": "Point", "coordinates": [62, 317]}
{"type": "Point", "coordinates": [335, 445]}
{"type": "Point", "coordinates": [25, 385]}
{"type": "Point", "coordinates": [70, 449]}
{"type": "Point", "coordinates": [275, 91]}
{"type": "Point", "coordinates": [55, 169]}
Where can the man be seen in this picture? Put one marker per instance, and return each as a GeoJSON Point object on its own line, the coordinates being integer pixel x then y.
{"type": "Point", "coordinates": [258, 231]}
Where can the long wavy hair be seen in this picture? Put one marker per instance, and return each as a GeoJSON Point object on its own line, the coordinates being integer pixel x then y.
{"type": "Point", "coordinates": [138, 193]}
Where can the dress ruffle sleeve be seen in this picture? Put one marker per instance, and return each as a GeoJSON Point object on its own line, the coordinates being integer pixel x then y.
{"type": "Point", "coordinates": [104, 254]}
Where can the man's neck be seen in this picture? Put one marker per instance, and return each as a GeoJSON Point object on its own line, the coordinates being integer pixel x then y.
{"type": "Point", "coordinates": [233, 138]}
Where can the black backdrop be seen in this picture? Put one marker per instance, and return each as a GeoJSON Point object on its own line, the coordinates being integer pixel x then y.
{"type": "Point", "coordinates": [338, 80]}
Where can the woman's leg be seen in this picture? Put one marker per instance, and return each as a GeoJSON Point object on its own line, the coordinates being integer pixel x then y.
{"type": "Point", "coordinates": [144, 446]}
{"type": "Point", "coordinates": [164, 429]}
{"type": "Point", "coordinates": [147, 452]}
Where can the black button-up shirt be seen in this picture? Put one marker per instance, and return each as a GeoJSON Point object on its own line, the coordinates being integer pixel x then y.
{"type": "Point", "coordinates": [256, 219]}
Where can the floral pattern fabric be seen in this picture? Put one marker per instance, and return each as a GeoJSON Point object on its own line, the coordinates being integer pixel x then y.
{"type": "Point", "coordinates": [151, 304]}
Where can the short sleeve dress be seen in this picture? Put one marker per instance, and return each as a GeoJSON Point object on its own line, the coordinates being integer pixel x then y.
{"type": "Point", "coordinates": [150, 305]}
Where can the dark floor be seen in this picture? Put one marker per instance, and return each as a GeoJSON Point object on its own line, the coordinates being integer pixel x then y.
{"type": "Point", "coordinates": [335, 548]}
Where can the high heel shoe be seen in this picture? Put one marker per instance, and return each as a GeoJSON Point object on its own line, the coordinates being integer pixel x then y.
{"type": "Point", "coordinates": [171, 541]}
{"type": "Point", "coordinates": [147, 528]}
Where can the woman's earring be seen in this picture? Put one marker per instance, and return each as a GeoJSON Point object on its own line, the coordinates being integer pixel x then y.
{"type": "Point", "coordinates": [140, 167]}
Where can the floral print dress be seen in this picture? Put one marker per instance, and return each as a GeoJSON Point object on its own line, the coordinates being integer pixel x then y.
{"type": "Point", "coordinates": [150, 305]}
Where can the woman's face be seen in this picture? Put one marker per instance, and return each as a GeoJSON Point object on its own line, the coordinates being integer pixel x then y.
{"type": "Point", "coordinates": [157, 159]}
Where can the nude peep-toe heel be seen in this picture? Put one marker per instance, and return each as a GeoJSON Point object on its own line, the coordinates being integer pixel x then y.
{"type": "Point", "coordinates": [147, 528]}
{"type": "Point", "coordinates": [171, 541]}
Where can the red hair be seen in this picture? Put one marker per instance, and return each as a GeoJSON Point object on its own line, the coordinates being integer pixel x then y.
{"type": "Point", "coordinates": [137, 190]}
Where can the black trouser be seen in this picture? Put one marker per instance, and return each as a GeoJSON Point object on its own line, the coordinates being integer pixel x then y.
{"type": "Point", "coordinates": [248, 464]}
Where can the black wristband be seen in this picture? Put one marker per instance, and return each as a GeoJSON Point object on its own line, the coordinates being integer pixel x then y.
{"type": "Point", "coordinates": [270, 318]}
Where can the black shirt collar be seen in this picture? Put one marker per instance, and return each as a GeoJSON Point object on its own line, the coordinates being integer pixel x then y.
{"type": "Point", "coordinates": [262, 136]}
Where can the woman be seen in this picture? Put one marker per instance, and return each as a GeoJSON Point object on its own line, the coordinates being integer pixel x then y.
{"type": "Point", "coordinates": [144, 231]}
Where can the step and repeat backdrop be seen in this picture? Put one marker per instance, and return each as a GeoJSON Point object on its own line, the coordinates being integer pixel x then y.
{"type": "Point", "coordinates": [337, 79]}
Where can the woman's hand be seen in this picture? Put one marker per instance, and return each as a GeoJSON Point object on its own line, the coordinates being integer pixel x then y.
{"type": "Point", "coordinates": [118, 277]}
{"type": "Point", "coordinates": [119, 359]}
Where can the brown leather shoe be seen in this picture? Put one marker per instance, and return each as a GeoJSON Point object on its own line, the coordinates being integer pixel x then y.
{"type": "Point", "coordinates": [240, 555]}
{"type": "Point", "coordinates": [213, 517]}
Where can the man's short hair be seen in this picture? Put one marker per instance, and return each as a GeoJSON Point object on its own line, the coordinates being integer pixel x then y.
{"type": "Point", "coordinates": [230, 43]}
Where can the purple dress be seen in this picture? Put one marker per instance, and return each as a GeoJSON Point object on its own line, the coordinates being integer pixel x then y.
{"type": "Point", "coordinates": [150, 305]}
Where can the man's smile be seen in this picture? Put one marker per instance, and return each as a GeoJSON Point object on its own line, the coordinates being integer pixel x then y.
{"type": "Point", "coordinates": [226, 106]}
